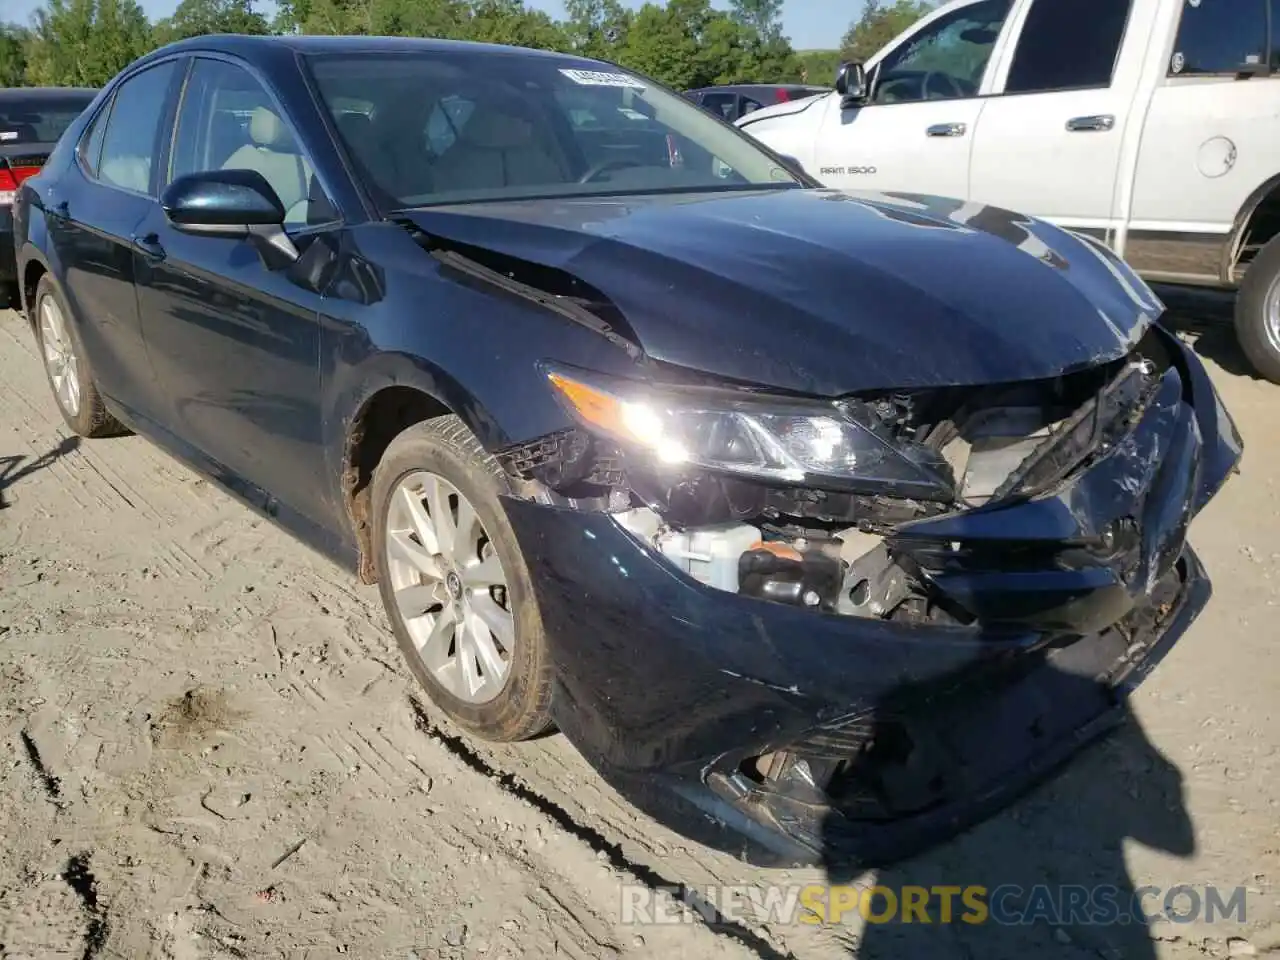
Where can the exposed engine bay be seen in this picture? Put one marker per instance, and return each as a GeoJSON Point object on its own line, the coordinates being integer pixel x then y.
{"type": "Point", "coordinates": [832, 550]}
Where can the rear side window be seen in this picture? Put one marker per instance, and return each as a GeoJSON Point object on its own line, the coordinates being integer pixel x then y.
{"type": "Point", "coordinates": [1220, 37]}
{"type": "Point", "coordinates": [723, 105]}
{"type": "Point", "coordinates": [91, 145]}
{"type": "Point", "coordinates": [131, 142]}
{"type": "Point", "coordinates": [1068, 45]}
{"type": "Point", "coordinates": [36, 120]}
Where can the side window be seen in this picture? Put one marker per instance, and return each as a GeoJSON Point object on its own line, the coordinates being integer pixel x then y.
{"type": "Point", "coordinates": [1220, 36]}
{"type": "Point", "coordinates": [750, 106]}
{"type": "Point", "coordinates": [227, 121]}
{"type": "Point", "coordinates": [1068, 45]}
{"type": "Point", "coordinates": [944, 61]}
{"type": "Point", "coordinates": [91, 142]}
{"type": "Point", "coordinates": [130, 143]}
{"type": "Point", "coordinates": [722, 105]}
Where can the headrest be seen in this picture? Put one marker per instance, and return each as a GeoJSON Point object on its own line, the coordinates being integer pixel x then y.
{"type": "Point", "coordinates": [354, 127]}
{"type": "Point", "coordinates": [495, 128]}
{"type": "Point", "coordinates": [268, 130]}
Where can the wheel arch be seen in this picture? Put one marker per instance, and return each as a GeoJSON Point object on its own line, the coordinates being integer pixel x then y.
{"type": "Point", "coordinates": [395, 393]}
{"type": "Point", "coordinates": [1255, 225]}
{"type": "Point", "coordinates": [32, 270]}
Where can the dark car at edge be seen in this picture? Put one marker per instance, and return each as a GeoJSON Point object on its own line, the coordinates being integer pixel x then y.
{"type": "Point", "coordinates": [791, 508]}
{"type": "Point", "coordinates": [31, 121]}
{"type": "Point", "coordinates": [735, 100]}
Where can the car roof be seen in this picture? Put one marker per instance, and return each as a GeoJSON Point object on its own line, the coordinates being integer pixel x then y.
{"type": "Point", "coordinates": [12, 94]}
{"type": "Point", "coordinates": [243, 44]}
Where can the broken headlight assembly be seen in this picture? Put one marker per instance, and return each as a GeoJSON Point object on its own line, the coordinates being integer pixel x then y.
{"type": "Point", "coordinates": [831, 445]}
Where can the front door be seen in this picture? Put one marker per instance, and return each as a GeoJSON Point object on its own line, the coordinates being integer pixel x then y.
{"type": "Point", "coordinates": [916, 132]}
{"type": "Point", "coordinates": [236, 344]}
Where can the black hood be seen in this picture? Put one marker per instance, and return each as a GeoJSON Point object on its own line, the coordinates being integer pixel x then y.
{"type": "Point", "coordinates": [825, 292]}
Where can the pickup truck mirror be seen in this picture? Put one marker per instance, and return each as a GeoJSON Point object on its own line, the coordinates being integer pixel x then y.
{"type": "Point", "coordinates": [851, 84]}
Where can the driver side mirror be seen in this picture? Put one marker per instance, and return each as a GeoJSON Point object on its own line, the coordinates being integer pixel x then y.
{"type": "Point", "coordinates": [231, 203]}
{"type": "Point", "coordinates": [851, 84]}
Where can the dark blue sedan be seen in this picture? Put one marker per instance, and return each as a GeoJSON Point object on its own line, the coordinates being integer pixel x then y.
{"type": "Point", "coordinates": [821, 523]}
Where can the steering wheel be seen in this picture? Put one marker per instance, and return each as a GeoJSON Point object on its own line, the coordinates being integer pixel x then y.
{"type": "Point", "coordinates": [955, 91]}
{"type": "Point", "coordinates": [617, 163]}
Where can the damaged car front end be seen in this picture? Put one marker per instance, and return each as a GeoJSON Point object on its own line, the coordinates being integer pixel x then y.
{"type": "Point", "coordinates": [807, 628]}
{"type": "Point", "coordinates": [846, 516]}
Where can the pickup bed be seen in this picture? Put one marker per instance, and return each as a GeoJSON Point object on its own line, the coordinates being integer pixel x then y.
{"type": "Point", "coordinates": [1151, 125]}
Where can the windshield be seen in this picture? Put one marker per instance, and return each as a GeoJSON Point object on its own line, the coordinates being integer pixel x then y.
{"type": "Point", "coordinates": [449, 126]}
{"type": "Point", "coordinates": [36, 120]}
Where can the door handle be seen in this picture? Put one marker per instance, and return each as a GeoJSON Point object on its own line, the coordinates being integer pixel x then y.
{"type": "Point", "coordinates": [1098, 124]}
{"type": "Point", "coordinates": [946, 130]}
{"type": "Point", "coordinates": [149, 246]}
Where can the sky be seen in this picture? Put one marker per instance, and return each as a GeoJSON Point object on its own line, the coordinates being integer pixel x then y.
{"type": "Point", "coordinates": [811, 24]}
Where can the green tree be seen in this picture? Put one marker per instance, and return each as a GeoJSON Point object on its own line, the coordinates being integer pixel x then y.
{"type": "Point", "coordinates": [762, 16]}
{"type": "Point", "coordinates": [510, 22]}
{"type": "Point", "coordinates": [596, 28]}
{"type": "Point", "coordinates": [879, 24]}
{"type": "Point", "coordinates": [85, 42]}
{"type": "Point", "coordinates": [13, 54]}
{"type": "Point", "coordinates": [819, 66]}
{"type": "Point", "coordinates": [194, 18]}
{"type": "Point", "coordinates": [687, 44]}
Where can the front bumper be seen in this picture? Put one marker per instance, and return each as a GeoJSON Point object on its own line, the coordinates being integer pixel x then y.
{"type": "Point", "coordinates": [672, 689]}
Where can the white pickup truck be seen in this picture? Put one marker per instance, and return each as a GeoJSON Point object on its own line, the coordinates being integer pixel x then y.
{"type": "Point", "coordinates": [1152, 125]}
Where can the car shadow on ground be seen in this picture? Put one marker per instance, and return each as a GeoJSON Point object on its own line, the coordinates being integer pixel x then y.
{"type": "Point", "coordinates": [1207, 319]}
{"type": "Point", "coordinates": [13, 469]}
{"type": "Point", "coordinates": [1051, 865]}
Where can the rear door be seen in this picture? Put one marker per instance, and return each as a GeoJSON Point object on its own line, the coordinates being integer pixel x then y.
{"type": "Point", "coordinates": [1211, 141]}
{"type": "Point", "coordinates": [93, 222]}
{"type": "Point", "coordinates": [916, 132]}
{"type": "Point", "coordinates": [1050, 140]}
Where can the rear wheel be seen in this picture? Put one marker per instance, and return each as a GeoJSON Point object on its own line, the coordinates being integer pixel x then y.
{"type": "Point", "coordinates": [67, 367]}
{"type": "Point", "coordinates": [454, 582]}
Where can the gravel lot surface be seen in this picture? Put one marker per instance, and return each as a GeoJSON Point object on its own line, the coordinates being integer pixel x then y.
{"type": "Point", "coordinates": [209, 748]}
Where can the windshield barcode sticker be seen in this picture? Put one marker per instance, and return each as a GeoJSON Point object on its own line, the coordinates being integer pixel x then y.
{"type": "Point", "coordinates": [602, 78]}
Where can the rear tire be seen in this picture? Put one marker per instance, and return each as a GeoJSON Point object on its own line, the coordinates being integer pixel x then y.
{"type": "Point", "coordinates": [440, 467]}
{"type": "Point", "coordinates": [1258, 312]}
{"type": "Point", "coordinates": [67, 368]}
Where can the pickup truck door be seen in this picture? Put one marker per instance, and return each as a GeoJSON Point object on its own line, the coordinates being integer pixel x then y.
{"type": "Point", "coordinates": [916, 131]}
{"type": "Point", "coordinates": [1052, 139]}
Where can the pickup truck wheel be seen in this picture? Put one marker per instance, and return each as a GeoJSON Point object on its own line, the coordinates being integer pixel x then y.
{"type": "Point", "coordinates": [1258, 312]}
{"type": "Point", "coordinates": [454, 582]}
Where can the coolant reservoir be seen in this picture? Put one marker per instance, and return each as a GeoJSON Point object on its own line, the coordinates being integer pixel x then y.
{"type": "Point", "coordinates": [710, 554]}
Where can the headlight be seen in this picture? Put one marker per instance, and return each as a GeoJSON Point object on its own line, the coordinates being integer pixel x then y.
{"type": "Point", "coordinates": [841, 445]}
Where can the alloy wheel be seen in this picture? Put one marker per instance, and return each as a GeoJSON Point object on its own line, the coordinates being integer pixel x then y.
{"type": "Point", "coordinates": [60, 356]}
{"type": "Point", "coordinates": [449, 587]}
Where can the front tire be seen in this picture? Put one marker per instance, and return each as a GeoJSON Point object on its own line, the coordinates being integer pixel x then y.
{"type": "Point", "coordinates": [67, 368]}
{"type": "Point", "coordinates": [454, 582]}
{"type": "Point", "coordinates": [1258, 312]}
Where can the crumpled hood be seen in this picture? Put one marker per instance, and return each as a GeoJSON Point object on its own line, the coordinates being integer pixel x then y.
{"type": "Point", "coordinates": [826, 292]}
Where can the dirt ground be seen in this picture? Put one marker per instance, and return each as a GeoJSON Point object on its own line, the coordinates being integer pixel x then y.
{"type": "Point", "coordinates": [209, 748]}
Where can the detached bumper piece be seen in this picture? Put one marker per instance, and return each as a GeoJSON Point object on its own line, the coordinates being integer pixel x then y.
{"type": "Point", "coordinates": [808, 717]}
